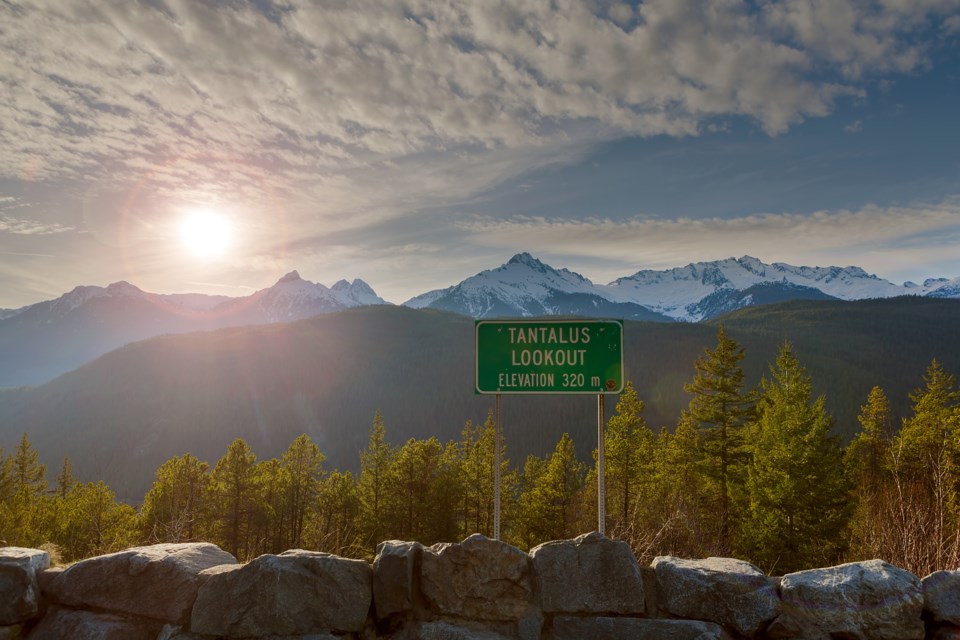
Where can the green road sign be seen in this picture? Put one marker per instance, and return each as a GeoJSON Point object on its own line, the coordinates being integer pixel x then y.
{"type": "Point", "coordinates": [549, 356]}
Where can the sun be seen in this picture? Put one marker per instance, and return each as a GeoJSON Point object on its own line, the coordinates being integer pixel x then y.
{"type": "Point", "coordinates": [205, 233]}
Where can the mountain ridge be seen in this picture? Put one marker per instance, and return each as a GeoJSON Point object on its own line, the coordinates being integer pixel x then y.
{"type": "Point", "coordinates": [49, 338]}
{"type": "Point", "coordinates": [692, 293]}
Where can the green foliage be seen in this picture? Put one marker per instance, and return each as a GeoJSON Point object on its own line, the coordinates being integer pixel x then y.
{"type": "Point", "coordinates": [333, 527]}
{"type": "Point", "coordinates": [172, 509]}
{"type": "Point", "coordinates": [303, 463]}
{"type": "Point", "coordinates": [719, 410]}
{"type": "Point", "coordinates": [234, 491]}
{"type": "Point", "coordinates": [91, 522]}
{"type": "Point", "coordinates": [629, 458]}
{"type": "Point", "coordinates": [767, 485]}
{"type": "Point", "coordinates": [547, 504]}
{"type": "Point", "coordinates": [796, 486]}
{"type": "Point", "coordinates": [372, 489]}
{"type": "Point", "coordinates": [926, 476]}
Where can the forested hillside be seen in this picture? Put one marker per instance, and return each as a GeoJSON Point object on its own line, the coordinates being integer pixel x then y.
{"type": "Point", "coordinates": [121, 416]}
{"type": "Point", "coordinates": [750, 473]}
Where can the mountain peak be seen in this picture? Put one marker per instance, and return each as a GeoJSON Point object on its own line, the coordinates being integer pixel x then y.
{"type": "Point", "coordinates": [293, 276]}
{"type": "Point", "coordinates": [525, 258]}
{"type": "Point", "coordinates": [123, 288]}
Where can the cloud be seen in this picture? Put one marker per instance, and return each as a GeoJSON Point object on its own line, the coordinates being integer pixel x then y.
{"type": "Point", "coordinates": [319, 102]}
{"type": "Point", "coordinates": [888, 240]}
{"type": "Point", "coordinates": [854, 127]}
{"type": "Point", "coordinates": [21, 226]}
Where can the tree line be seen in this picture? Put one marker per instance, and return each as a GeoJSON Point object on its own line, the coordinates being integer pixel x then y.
{"type": "Point", "coordinates": [751, 473]}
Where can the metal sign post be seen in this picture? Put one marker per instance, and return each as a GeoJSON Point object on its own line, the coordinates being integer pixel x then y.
{"type": "Point", "coordinates": [549, 356]}
{"type": "Point", "coordinates": [601, 473]}
{"type": "Point", "coordinates": [496, 474]}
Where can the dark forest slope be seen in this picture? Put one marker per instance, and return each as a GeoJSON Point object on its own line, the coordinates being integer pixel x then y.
{"type": "Point", "coordinates": [124, 414]}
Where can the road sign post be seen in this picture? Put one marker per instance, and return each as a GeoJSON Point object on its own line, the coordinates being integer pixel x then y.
{"type": "Point", "coordinates": [550, 357]}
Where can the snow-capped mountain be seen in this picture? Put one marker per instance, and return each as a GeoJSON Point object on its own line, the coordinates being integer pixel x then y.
{"type": "Point", "coordinates": [681, 293]}
{"type": "Point", "coordinates": [525, 287]}
{"type": "Point", "coordinates": [46, 339]}
{"type": "Point", "coordinates": [293, 298]}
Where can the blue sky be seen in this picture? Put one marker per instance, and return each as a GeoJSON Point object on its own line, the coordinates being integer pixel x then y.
{"type": "Point", "coordinates": [415, 143]}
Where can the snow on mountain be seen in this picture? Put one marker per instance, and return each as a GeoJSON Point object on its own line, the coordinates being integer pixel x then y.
{"type": "Point", "coordinates": [943, 288]}
{"type": "Point", "coordinates": [424, 300]}
{"type": "Point", "coordinates": [521, 287]}
{"type": "Point", "coordinates": [679, 292]}
{"type": "Point", "coordinates": [357, 292]}
{"type": "Point", "coordinates": [293, 298]}
{"type": "Point", "coordinates": [525, 286]}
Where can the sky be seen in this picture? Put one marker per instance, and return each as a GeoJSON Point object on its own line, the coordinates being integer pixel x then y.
{"type": "Point", "coordinates": [413, 143]}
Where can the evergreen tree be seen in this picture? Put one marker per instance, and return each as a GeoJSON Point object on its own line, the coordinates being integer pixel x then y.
{"type": "Point", "coordinates": [719, 410]}
{"type": "Point", "coordinates": [477, 452]}
{"type": "Point", "coordinates": [413, 478]}
{"type": "Point", "coordinates": [6, 498]}
{"type": "Point", "coordinates": [29, 486]}
{"type": "Point", "coordinates": [796, 485]}
{"type": "Point", "coordinates": [925, 470]}
{"type": "Point", "coordinates": [376, 462]}
{"type": "Point", "coordinates": [549, 502]}
{"type": "Point", "coordinates": [174, 507]}
{"type": "Point", "coordinates": [270, 517]}
{"type": "Point", "coordinates": [867, 465]}
{"type": "Point", "coordinates": [235, 493]}
{"type": "Point", "coordinates": [333, 528]}
{"type": "Point", "coordinates": [678, 478]}
{"type": "Point", "coordinates": [65, 479]}
{"type": "Point", "coordinates": [303, 462]}
{"type": "Point", "coordinates": [92, 522]}
{"type": "Point", "coordinates": [629, 446]}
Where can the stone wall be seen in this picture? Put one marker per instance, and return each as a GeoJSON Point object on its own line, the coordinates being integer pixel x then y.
{"type": "Point", "coordinates": [590, 588]}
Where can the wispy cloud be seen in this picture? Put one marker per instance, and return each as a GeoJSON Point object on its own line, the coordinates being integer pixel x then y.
{"type": "Point", "coordinates": [21, 226]}
{"type": "Point", "coordinates": [854, 127]}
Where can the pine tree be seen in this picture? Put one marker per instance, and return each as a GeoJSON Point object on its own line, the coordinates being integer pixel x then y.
{"type": "Point", "coordinates": [678, 529]}
{"type": "Point", "coordinates": [303, 462]}
{"type": "Point", "coordinates": [413, 474]}
{"type": "Point", "coordinates": [796, 486]}
{"type": "Point", "coordinates": [376, 462]}
{"type": "Point", "coordinates": [333, 528]}
{"type": "Point", "coordinates": [867, 465]}
{"type": "Point", "coordinates": [174, 507]}
{"type": "Point", "coordinates": [629, 446]}
{"type": "Point", "coordinates": [719, 410]}
{"type": "Point", "coordinates": [926, 475]}
{"type": "Point", "coordinates": [234, 494]}
{"type": "Point", "coordinates": [65, 479]}
{"type": "Point", "coordinates": [477, 451]}
{"type": "Point", "coordinates": [94, 523]}
{"type": "Point", "coordinates": [29, 486]}
{"type": "Point", "coordinates": [549, 504]}
{"type": "Point", "coordinates": [6, 498]}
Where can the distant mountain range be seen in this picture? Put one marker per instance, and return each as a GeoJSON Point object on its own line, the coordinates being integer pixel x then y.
{"type": "Point", "coordinates": [122, 415]}
{"type": "Point", "coordinates": [525, 286]}
{"type": "Point", "coordinates": [47, 339]}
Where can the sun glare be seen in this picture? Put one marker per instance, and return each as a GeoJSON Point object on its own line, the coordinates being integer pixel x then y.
{"type": "Point", "coordinates": [205, 233]}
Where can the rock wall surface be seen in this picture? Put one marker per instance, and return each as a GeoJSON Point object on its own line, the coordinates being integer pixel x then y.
{"type": "Point", "coordinates": [589, 588]}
